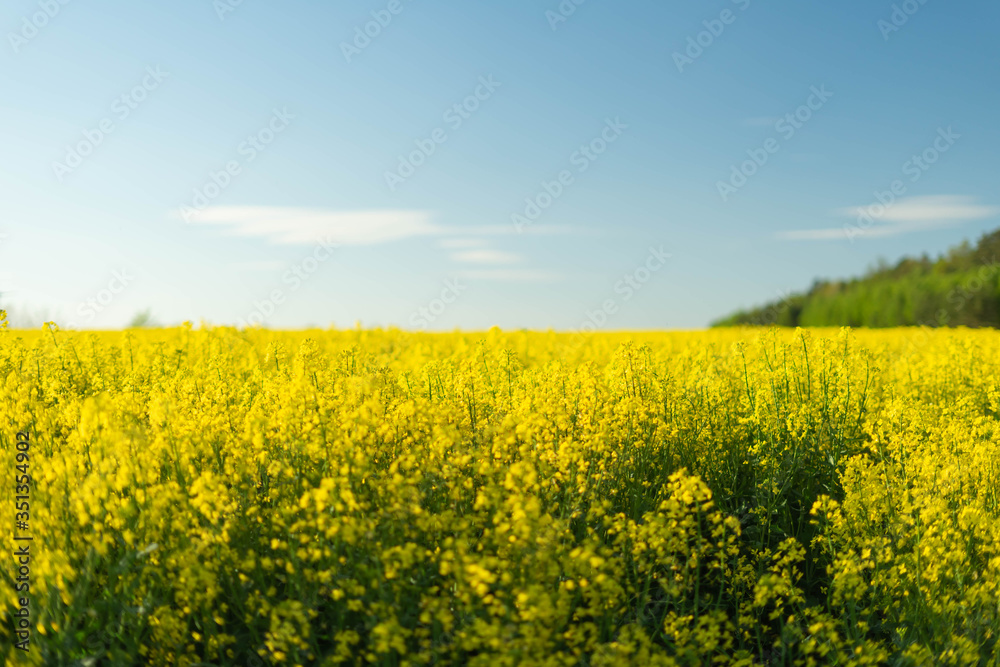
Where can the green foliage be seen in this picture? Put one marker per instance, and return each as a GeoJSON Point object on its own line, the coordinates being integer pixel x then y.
{"type": "Point", "coordinates": [142, 320]}
{"type": "Point", "coordinates": [960, 288]}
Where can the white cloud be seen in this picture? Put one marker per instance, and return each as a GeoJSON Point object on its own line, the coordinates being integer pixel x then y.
{"type": "Point", "coordinates": [462, 243]}
{"type": "Point", "coordinates": [827, 234]}
{"type": "Point", "coordinates": [262, 265]}
{"type": "Point", "coordinates": [904, 216]}
{"type": "Point", "coordinates": [290, 225]}
{"type": "Point", "coordinates": [485, 256]}
{"type": "Point", "coordinates": [285, 225]}
{"type": "Point", "coordinates": [469, 245]}
{"type": "Point", "coordinates": [503, 230]}
{"type": "Point", "coordinates": [839, 233]}
{"type": "Point", "coordinates": [938, 208]}
{"type": "Point", "coordinates": [512, 275]}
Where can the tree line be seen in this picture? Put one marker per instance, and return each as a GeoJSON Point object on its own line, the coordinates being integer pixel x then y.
{"type": "Point", "coordinates": [959, 288]}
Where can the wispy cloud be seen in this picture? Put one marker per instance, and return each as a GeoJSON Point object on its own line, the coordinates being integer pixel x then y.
{"type": "Point", "coordinates": [843, 234]}
{"type": "Point", "coordinates": [466, 244]}
{"type": "Point", "coordinates": [505, 230]}
{"type": "Point", "coordinates": [262, 265]}
{"type": "Point", "coordinates": [485, 256]}
{"type": "Point", "coordinates": [284, 225]}
{"type": "Point", "coordinates": [826, 234]}
{"type": "Point", "coordinates": [462, 243]}
{"type": "Point", "coordinates": [939, 208]}
{"type": "Point", "coordinates": [512, 275]}
{"type": "Point", "coordinates": [291, 225]}
{"type": "Point", "coordinates": [904, 216]}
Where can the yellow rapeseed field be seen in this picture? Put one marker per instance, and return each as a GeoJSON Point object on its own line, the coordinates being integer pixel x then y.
{"type": "Point", "coordinates": [744, 496]}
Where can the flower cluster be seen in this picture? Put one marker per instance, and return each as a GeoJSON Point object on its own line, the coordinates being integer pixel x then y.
{"type": "Point", "coordinates": [743, 497]}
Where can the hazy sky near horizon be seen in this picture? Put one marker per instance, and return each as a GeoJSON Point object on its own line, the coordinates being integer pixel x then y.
{"type": "Point", "coordinates": [433, 165]}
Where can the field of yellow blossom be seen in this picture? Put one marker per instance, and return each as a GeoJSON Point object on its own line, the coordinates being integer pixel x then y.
{"type": "Point", "coordinates": [741, 496]}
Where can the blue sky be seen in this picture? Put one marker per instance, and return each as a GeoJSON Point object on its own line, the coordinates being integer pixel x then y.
{"type": "Point", "coordinates": [629, 165]}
